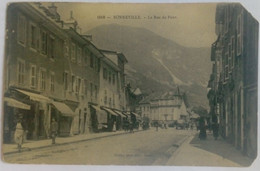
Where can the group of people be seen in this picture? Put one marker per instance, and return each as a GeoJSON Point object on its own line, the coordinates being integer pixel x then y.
{"type": "Point", "coordinates": [128, 126]}
{"type": "Point", "coordinates": [21, 131]}
{"type": "Point", "coordinates": [203, 126]}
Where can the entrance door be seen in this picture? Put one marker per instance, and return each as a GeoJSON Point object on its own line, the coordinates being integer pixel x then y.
{"type": "Point", "coordinates": [79, 121]}
{"type": "Point", "coordinates": [239, 120]}
{"type": "Point", "coordinates": [41, 125]}
{"type": "Point", "coordinates": [251, 125]}
{"type": "Point", "coordinates": [85, 120]}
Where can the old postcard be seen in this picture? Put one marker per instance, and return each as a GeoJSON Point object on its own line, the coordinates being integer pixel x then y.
{"type": "Point", "coordinates": [130, 84]}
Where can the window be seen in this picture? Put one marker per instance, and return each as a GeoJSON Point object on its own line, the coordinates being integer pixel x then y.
{"type": "Point", "coordinates": [52, 47]}
{"type": "Point", "coordinates": [43, 42]}
{"type": "Point", "coordinates": [91, 89]}
{"type": "Point", "coordinates": [91, 60]}
{"type": "Point", "coordinates": [96, 65]}
{"type": "Point", "coordinates": [21, 71]}
{"type": "Point", "coordinates": [229, 57]}
{"type": "Point", "coordinates": [226, 71]}
{"type": "Point", "coordinates": [226, 22]}
{"type": "Point", "coordinates": [42, 79]}
{"type": "Point", "coordinates": [105, 96]}
{"type": "Point", "coordinates": [33, 36]}
{"type": "Point", "coordinates": [78, 84]}
{"type": "Point", "coordinates": [114, 79]}
{"type": "Point", "coordinates": [86, 56]}
{"type": "Point", "coordinates": [79, 55]}
{"type": "Point", "coordinates": [96, 92]}
{"type": "Point", "coordinates": [73, 84]}
{"type": "Point", "coordinates": [33, 76]}
{"type": "Point", "coordinates": [82, 88]}
{"type": "Point", "coordinates": [233, 51]}
{"type": "Point", "coordinates": [239, 35]}
{"type": "Point", "coordinates": [105, 73]}
{"type": "Point", "coordinates": [66, 48]}
{"type": "Point", "coordinates": [110, 101]}
{"type": "Point", "coordinates": [73, 52]}
{"type": "Point", "coordinates": [21, 35]}
{"type": "Point", "coordinates": [113, 100]}
{"type": "Point", "coordinates": [85, 87]}
{"type": "Point", "coordinates": [52, 82]}
{"type": "Point", "coordinates": [65, 80]}
{"type": "Point", "coordinates": [109, 77]}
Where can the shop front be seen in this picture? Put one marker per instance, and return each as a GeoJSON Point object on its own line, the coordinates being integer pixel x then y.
{"type": "Point", "coordinates": [120, 119]}
{"type": "Point", "coordinates": [99, 119]}
{"type": "Point", "coordinates": [63, 115]}
{"type": "Point", "coordinates": [11, 109]}
{"type": "Point", "coordinates": [112, 118]}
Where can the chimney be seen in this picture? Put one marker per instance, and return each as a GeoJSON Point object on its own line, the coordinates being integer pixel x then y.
{"type": "Point", "coordinates": [71, 15]}
{"type": "Point", "coordinates": [53, 11]}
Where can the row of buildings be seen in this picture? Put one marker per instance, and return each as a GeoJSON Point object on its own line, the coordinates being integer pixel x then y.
{"type": "Point", "coordinates": [233, 82]}
{"type": "Point", "coordinates": [53, 71]}
{"type": "Point", "coordinates": [166, 107]}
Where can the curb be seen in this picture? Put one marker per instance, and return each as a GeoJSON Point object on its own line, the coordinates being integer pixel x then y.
{"type": "Point", "coordinates": [66, 143]}
{"type": "Point", "coordinates": [177, 151]}
{"type": "Point", "coordinates": [171, 151]}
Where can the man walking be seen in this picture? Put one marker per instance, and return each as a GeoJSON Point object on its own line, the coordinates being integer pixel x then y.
{"type": "Point", "coordinates": [54, 130]}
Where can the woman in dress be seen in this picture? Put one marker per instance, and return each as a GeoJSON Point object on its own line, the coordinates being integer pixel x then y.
{"type": "Point", "coordinates": [19, 134]}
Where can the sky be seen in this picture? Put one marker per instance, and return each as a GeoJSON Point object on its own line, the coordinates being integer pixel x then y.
{"type": "Point", "coordinates": [191, 25]}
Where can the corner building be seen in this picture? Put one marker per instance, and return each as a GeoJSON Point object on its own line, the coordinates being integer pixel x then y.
{"type": "Point", "coordinates": [233, 82]}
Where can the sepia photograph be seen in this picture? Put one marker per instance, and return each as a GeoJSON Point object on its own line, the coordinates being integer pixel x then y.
{"type": "Point", "coordinates": [130, 84]}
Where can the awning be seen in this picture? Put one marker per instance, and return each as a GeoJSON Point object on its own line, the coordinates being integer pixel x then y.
{"type": "Point", "coordinates": [101, 114]}
{"type": "Point", "coordinates": [135, 114]}
{"type": "Point", "coordinates": [120, 114]}
{"type": "Point", "coordinates": [64, 109]}
{"type": "Point", "coordinates": [15, 103]}
{"type": "Point", "coordinates": [110, 111]}
{"type": "Point", "coordinates": [34, 96]}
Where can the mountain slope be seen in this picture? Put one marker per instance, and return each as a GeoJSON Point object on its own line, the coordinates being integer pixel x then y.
{"type": "Point", "coordinates": [156, 63]}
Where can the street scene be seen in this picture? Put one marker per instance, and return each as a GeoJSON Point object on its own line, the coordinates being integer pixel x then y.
{"type": "Point", "coordinates": [130, 84]}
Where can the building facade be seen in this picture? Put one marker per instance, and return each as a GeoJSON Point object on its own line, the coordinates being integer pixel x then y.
{"type": "Point", "coordinates": [233, 82]}
{"type": "Point", "coordinates": [53, 72]}
{"type": "Point", "coordinates": [112, 87]}
{"type": "Point", "coordinates": [169, 107]}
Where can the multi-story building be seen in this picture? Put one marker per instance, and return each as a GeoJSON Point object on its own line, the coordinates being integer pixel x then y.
{"type": "Point", "coordinates": [112, 87]}
{"type": "Point", "coordinates": [167, 106]}
{"type": "Point", "coordinates": [82, 60]}
{"type": "Point", "coordinates": [233, 82]}
{"type": "Point", "coordinates": [52, 71]}
{"type": "Point", "coordinates": [34, 68]}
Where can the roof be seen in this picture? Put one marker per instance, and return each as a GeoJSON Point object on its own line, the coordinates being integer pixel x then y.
{"type": "Point", "coordinates": [137, 91]}
{"type": "Point", "coordinates": [111, 55]}
{"type": "Point", "coordinates": [169, 95]}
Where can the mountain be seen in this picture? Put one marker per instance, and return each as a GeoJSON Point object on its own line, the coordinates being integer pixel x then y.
{"type": "Point", "coordinates": [156, 63]}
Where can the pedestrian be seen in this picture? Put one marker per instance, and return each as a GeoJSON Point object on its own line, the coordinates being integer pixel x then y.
{"type": "Point", "coordinates": [156, 125]}
{"type": "Point", "coordinates": [19, 133]}
{"type": "Point", "coordinates": [131, 127]}
{"type": "Point", "coordinates": [215, 126]}
{"type": "Point", "coordinates": [114, 126]}
{"type": "Point", "coordinates": [202, 125]}
{"type": "Point", "coordinates": [197, 125]}
{"type": "Point", "coordinates": [54, 130]}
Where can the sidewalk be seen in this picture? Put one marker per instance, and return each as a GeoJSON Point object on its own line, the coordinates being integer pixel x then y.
{"type": "Point", "coordinates": [38, 144]}
{"type": "Point", "coordinates": [209, 152]}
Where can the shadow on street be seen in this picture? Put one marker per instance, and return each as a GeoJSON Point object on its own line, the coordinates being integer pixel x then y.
{"type": "Point", "coordinates": [221, 148]}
